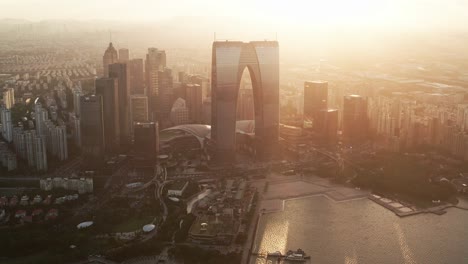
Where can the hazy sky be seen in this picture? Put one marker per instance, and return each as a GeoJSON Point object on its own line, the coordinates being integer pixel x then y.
{"type": "Point", "coordinates": [419, 14]}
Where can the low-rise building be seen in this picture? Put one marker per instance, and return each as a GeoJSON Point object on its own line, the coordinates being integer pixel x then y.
{"type": "Point", "coordinates": [81, 185]}
{"type": "Point", "coordinates": [177, 189]}
{"type": "Point", "coordinates": [20, 214]}
{"type": "Point", "coordinates": [24, 200]}
{"type": "Point", "coordinates": [52, 214]}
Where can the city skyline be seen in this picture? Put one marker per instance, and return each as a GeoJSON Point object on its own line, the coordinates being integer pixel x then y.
{"type": "Point", "coordinates": [240, 132]}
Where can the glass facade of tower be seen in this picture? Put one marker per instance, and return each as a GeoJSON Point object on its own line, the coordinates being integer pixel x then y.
{"type": "Point", "coordinates": [92, 131]}
{"type": "Point", "coordinates": [228, 63]}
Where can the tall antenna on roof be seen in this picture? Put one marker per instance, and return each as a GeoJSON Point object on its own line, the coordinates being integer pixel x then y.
{"type": "Point", "coordinates": [110, 35]}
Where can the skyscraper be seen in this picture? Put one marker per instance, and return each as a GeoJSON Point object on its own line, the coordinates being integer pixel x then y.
{"type": "Point", "coordinates": [124, 55]}
{"type": "Point", "coordinates": [162, 104]}
{"type": "Point", "coordinates": [194, 98]}
{"type": "Point", "coordinates": [9, 97]}
{"type": "Point", "coordinates": [110, 57]}
{"type": "Point", "coordinates": [41, 116]}
{"type": "Point", "coordinates": [92, 130]}
{"type": "Point", "coordinates": [328, 122]}
{"type": "Point", "coordinates": [108, 89]}
{"type": "Point", "coordinates": [315, 100]}
{"type": "Point", "coordinates": [179, 112]}
{"type": "Point", "coordinates": [146, 144]}
{"type": "Point", "coordinates": [61, 141]}
{"type": "Point", "coordinates": [120, 72]}
{"type": "Point", "coordinates": [135, 67]}
{"type": "Point", "coordinates": [7, 126]}
{"type": "Point", "coordinates": [354, 119]}
{"type": "Point", "coordinates": [139, 108]}
{"type": "Point", "coordinates": [203, 82]}
{"type": "Point", "coordinates": [40, 154]}
{"type": "Point", "coordinates": [155, 62]}
{"type": "Point", "coordinates": [76, 101]}
{"type": "Point", "coordinates": [30, 139]}
{"type": "Point", "coordinates": [229, 59]}
{"type": "Point", "coordinates": [76, 130]}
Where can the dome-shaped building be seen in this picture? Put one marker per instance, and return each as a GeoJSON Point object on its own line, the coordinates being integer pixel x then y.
{"type": "Point", "coordinates": [195, 137]}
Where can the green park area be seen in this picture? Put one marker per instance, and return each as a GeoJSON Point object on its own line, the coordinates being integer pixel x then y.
{"type": "Point", "coordinates": [133, 223]}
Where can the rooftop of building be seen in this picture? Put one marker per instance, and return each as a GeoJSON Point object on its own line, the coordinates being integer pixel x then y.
{"type": "Point", "coordinates": [317, 82]}
{"type": "Point", "coordinates": [202, 131]}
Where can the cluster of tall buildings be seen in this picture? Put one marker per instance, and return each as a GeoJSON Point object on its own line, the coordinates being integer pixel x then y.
{"type": "Point", "coordinates": [33, 143]}
{"type": "Point", "coordinates": [318, 117]}
{"type": "Point", "coordinates": [46, 139]}
{"type": "Point", "coordinates": [407, 120]}
{"type": "Point", "coordinates": [41, 133]}
{"type": "Point", "coordinates": [133, 95]}
{"type": "Point", "coordinates": [391, 118]}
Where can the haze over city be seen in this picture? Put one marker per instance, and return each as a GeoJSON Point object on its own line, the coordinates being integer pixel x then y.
{"type": "Point", "coordinates": [232, 132]}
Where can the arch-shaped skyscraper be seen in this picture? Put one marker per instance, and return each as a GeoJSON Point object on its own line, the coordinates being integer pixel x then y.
{"type": "Point", "coordinates": [229, 59]}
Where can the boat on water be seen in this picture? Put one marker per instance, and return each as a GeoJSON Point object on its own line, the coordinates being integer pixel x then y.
{"type": "Point", "coordinates": [296, 256]}
{"type": "Point", "coordinates": [275, 254]}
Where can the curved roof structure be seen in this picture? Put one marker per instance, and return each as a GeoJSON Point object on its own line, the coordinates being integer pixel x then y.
{"type": "Point", "coordinates": [85, 224]}
{"type": "Point", "coordinates": [148, 228]}
{"type": "Point", "coordinates": [202, 131]}
{"type": "Point", "coordinates": [197, 130]}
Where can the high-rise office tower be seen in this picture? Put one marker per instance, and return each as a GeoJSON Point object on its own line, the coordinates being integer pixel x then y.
{"type": "Point", "coordinates": [155, 62]}
{"type": "Point", "coordinates": [245, 105]}
{"type": "Point", "coordinates": [328, 122]}
{"type": "Point", "coordinates": [108, 89]}
{"type": "Point", "coordinates": [40, 154]}
{"type": "Point", "coordinates": [120, 72]}
{"type": "Point", "coordinates": [124, 55]}
{"type": "Point", "coordinates": [179, 112]}
{"type": "Point", "coordinates": [146, 143]}
{"type": "Point", "coordinates": [9, 97]}
{"type": "Point", "coordinates": [92, 130]}
{"type": "Point", "coordinates": [110, 57]}
{"type": "Point", "coordinates": [203, 82]}
{"type": "Point", "coordinates": [229, 59]}
{"type": "Point", "coordinates": [139, 108]}
{"type": "Point", "coordinates": [7, 125]}
{"type": "Point", "coordinates": [135, 67]}
{"type": "Point", "coordinates": [354, 119]}
{"type": "Point", "coordinates": [315, 99]}
{"type": "Point", "coordinates": [162, 104]}
{"type": "Point", "coordinates": [194, 99]}
{"type": "Point", "coordinates": [76, 101]}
